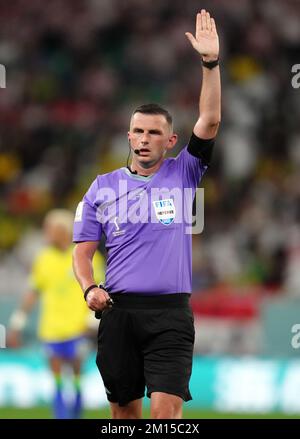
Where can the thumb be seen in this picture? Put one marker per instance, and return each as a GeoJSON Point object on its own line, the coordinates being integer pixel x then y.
{"type": "Point", "coordinates": [191, 38]}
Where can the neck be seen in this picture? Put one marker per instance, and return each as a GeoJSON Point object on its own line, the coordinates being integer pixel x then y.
{"type": "Point", "coordinates": [145, 171]}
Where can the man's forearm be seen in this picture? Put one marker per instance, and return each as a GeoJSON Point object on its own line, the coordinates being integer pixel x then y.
{"type": "Point", "coordinates": [97, 299]}
{"type": "Point", "coordinates": [83, 267]}
{"type": "Point", "coordinates": [210, 96]}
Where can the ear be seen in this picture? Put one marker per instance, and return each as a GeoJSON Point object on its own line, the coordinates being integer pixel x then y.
{"type": "Point", "coordinates": [128, 136]}
{"type": "Point", "coordinates": [172, 141]}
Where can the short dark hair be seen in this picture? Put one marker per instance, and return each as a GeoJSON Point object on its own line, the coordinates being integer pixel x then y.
{"type": "Point", "coordinates": [154, 109]}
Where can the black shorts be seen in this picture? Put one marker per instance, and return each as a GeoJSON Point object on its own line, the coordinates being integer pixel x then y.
{"type": "Point", "coordinates": [146, 341]}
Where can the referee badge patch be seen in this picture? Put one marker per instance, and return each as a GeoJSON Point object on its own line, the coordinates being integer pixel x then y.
{"type": "Point", "coordinates": [165, 211]}
{"type": "Point", "coordinates": [78, 214]}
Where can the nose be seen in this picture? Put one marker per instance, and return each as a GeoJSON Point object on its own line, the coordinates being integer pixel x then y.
{"type": "Point", "coordinates": [145, 139]}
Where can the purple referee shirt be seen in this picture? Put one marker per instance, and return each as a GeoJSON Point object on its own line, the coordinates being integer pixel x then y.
{"type": "Point", "coordinates": [145, 222]}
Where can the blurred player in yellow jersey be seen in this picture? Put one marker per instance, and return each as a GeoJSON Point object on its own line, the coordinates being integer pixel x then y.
{"type": "Point", "coordinates": [64, 316]}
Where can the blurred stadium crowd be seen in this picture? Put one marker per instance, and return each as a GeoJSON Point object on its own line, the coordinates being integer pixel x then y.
{"type": "Point", "coordinates": [76, 70]}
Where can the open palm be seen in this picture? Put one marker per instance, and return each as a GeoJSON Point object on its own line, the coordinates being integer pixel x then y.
{"type": "Point", "coordinates": [206, 40]}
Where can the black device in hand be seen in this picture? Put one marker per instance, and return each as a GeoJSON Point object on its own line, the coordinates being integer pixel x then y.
{"type": "Point", "coordinates": [109, 302]}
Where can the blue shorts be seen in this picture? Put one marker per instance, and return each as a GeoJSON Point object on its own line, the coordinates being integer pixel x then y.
{"type": "Point", "coordinates": [68, 349]}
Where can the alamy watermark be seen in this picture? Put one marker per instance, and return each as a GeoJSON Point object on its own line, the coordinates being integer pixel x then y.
{"type": "Point", "coordinates": [159, 205]}
{"type": "Point", "coordinates": [121, 206]}
{"type": "Point", "coordinates": [296, 78]}
{"type": "Point", "coordinates": [2, 76]}
{"type": "Point", "coordinates": [2, 336]}
{"type": "Point", "coordinates": [295, 342]}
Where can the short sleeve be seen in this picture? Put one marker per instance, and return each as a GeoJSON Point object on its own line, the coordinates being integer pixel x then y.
{"type": "Point", "coordinates": [191, 168]}
{"type": "Point", "coordinates": [86, 225]}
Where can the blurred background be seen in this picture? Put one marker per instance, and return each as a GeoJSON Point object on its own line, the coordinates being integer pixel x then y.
{"type": "Point", "coordinates": [74, 73]}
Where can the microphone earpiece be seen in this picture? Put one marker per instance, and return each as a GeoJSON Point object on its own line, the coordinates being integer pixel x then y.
{"type": "Point", "coordinates": [136, 151]}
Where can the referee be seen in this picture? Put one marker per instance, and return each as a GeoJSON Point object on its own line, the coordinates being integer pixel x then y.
{"type": "Point", "coordinates": [146, 332]}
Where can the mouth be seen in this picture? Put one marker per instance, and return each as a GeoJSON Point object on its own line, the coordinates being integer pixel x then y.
{"type": "Point", "coordinates": [144, 151]}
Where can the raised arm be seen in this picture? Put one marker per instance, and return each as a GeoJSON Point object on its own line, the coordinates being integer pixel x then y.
{"type": "Point", "coordinates": [206, 43]}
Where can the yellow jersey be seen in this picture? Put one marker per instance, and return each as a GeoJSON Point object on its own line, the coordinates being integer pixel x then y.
{"type": "Point", "coordinates": [63, 313]}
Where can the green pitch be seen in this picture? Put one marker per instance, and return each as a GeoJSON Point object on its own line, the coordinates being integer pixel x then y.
{"type": "Point", "coordinates": [45, 413]}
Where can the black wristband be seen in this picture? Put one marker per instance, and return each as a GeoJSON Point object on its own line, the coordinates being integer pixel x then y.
{"type": "Point", "coordinates": [210, 64]}
{"type": "Point", "coordinates": [89, 289]}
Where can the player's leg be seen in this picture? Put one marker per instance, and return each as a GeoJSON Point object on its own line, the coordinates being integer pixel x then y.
{"type": "Point", "coordinates": [76, 409]}
{"type": "Point", "coordinates": [59, 405]}
{"type": "Point", "coordinates": [74, 352]}
{"type": "Point", "coordinates": [132, 410]}
{"type": "Point", "coordinates": [165, 406]}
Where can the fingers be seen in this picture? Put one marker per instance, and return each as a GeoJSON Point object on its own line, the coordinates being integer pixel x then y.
{"type": "Point", "coordinates": [191, 38]}
{"type": "Point", "coordinates": [98, 299]}
{"type": "Point", "coordinates": [204, 23]}
{"type": "Point", "coordinates": [213, 25]}
{"type": "Point", "coordinates": [199, 27]}
{"type": "Point", "coordinates": [96, 306]}
{"type": "Point", "coordinates": [208, 22]}
{"type": "Point", "coordinates": [203, 19]}
{"type": "Point", "coordinates": [105, 293]}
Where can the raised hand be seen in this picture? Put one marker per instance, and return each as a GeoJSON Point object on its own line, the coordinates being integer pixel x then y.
{"type": "Point", "coordinates": [206, 40]}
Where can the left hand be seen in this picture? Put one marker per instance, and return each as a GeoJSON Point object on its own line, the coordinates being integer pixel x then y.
{"type": "Point", "coordinates": [206, 41]}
